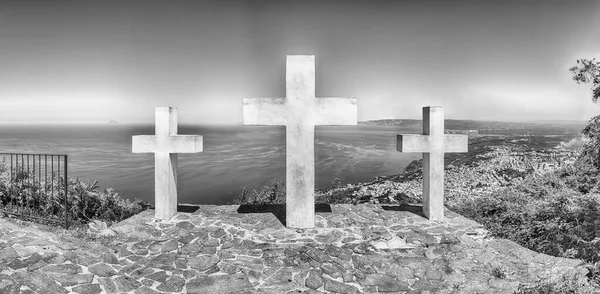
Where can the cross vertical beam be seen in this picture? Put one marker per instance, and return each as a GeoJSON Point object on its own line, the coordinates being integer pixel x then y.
{"type": "Point", "coordinates": [433, 144]}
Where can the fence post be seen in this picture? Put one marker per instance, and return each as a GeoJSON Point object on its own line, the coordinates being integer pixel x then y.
{"type": "Point", "coordinates": [66, 197]}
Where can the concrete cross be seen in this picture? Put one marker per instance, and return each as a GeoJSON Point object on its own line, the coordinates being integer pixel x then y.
{"type": "Point", "coordinates": [300, 112]}
{"type": "Point", "coordinates": [165, 145]}
{"type": "Point", "coordinates": [433, 144]}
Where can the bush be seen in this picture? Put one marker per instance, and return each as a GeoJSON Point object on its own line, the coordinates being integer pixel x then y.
{"type": "Point", "coordinates": [582, 176]}
{"type": "Point", "coordinates": [568, 284]}
{"type": "Point", "coordinates": [554, 221]}
{"type": "Point", "coordinates": [270, 193]}
{"type": "Point", "coordinates": [45, 199]}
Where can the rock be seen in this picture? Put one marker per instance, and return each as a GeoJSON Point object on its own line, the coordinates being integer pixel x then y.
{"type": "Point", "coordinates": [8, 254]}
{"type": "Point", "coordinates": [99, 228]}
{"type": "Point", "coordinates": [218, 233]}
{"type": "Point", "coordinates": [67, 280]}
{"type": "Point", "coordinates": [185, 225]}
{"type": "Point", "coordinates": [417, 236]}
{"type": "Point", "coordinates": [145, 290]}
{"type": "Point", "coordinates": [163, 261]}
{"type": "Point", "coordinates": [169, 246]}
{"type": "Point", "coordinates": [110, 258]}
{"type": "Point", "coordinates": [36, 265]}
{"type": "Point", "coordinates": [70, 269]}
{"type": "Point", "coordinates": [318, 255]}
{"type": "Point", "coordinates": [158, 276]}
{"type": "Point", "coordinates": [123, 252]}
{"type": "Point", "coordinates": [432, 252]}
{"type": "Point", "coordinates": [394, 243]}
{"type": "Point", "coordinates": [332, 269]}
{"type": "Point", "coordinates": [187, 238]}
{"type": "Point", "coordinates": [172, 284]}
{"type": "Point", "coordinates": [87, 289]}
{"type": "Point", "coordinates": [433, 273]}
{"type": "Point", "coordinates": [203, 262]}
{"type": "Point", "coordinates": [38, 282]}
{"type": "Point", "coordinates": [108, 284]}
{"type": "Point", "coordinates": [25, 251]}
{"type": "Point", "coordinates": [102, 270]}
{"type": "Point", "coordinates": [337, 287]}
{"type": "Point", "coordinates": [385, 283]}
{"type": "Point", "coordinates": [282, 277]}
{"type": "Point", "coordinates": [313, 280]}
{"type": "Point", "coordinates": [138, 273]}
{"type": "Point", "coordinates": [8, 285]}
{"type": "Point", "coordinates": [17, 264]}
{"type": "Point", "coordinates": [126, 284]}
{"type": "Point", "coordinates": [221, 284]}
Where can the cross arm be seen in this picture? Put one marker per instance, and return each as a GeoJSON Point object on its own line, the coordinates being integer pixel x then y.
{"type": "Point", "coordinates": [412, 143]}
{"type": "Point", "coordinates": [264, 111]}
{"type": "Point", "coordinates": [172, 144]}
{"type": "Point", "coordinates": [336, 111]}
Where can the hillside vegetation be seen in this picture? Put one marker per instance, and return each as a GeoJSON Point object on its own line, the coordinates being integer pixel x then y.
{"type": "Point", "coordinates": [546, 200]}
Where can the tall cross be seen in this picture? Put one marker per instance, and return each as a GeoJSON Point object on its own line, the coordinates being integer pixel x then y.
{"type": "Point", "coordinates": [433, 144]}
{"type": "Point", "coordinates": [165, 145]}
{"type": "Point", "coordinates": [300, 112]}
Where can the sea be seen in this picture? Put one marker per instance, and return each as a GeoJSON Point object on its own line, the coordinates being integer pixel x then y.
{"type": "Point", "coordinates": [236, 157]}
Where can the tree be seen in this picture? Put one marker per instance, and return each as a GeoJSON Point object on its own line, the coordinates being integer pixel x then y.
{"type": "Point", "coordinates": [588, 71]}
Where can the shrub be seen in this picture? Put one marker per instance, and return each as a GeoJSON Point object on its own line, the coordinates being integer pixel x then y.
{"type": "Point", "coordinates": [45, 199]}
{"type": "Point", "coordinates": [270, 193]}
{"type": "Point", "coordinates": [568, 284]}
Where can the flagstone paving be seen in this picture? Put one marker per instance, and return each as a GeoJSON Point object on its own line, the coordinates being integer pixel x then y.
{"type": "Point", "coordinates": [354, 249]}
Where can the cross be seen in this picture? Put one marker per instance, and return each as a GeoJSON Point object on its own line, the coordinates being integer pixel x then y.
{"type": "Point", "coordinates": [433, 144]}
{"type": "Point", "coordinates": [300, 112]}
{"type": "Point", "coordinates": [165, 145]}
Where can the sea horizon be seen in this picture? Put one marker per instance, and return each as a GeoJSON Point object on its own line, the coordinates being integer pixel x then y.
{"type": "Point", "coordinates": [115, 122]}
{"type": "Point", "coordinates": [235, 156]}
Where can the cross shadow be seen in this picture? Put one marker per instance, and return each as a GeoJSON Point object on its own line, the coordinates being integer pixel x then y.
{"type": "Point", "coordinates": [278, 210]}
{"type": "Point", "coordinates": [412, 208]}
{"type": "Point", "coordinates": [187, 208]}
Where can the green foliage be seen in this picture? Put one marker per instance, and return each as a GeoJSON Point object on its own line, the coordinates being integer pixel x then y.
{"type": "Point", "coordinates": [591, 150]}
{"type": "Point", "coordinates": [582, 176]}
{"type": "Point", "coordinates": [568, 284]}
{"type": "Point", "coordinates": [270, 193]}
{"type": "Point", "coordinates": [588, 71]}
{"type": "Point", "coordinates": [339, 195]}
{"type": "Point", "coordinates": [274, 193]}
{"type": "Point", "coordinates": [497, 272]}
{"type": "Point", "coordinates": [88, 203]}
{"type": "Point", "coordinates": [45, 199]}
{"type": "Point", "coordinates": [547, 213]}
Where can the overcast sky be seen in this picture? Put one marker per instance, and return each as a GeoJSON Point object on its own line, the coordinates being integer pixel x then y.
{"type": "Point", "coordinates": [102, 60]}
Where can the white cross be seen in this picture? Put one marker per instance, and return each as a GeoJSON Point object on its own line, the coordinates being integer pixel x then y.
{"type": "Point", "coordinates": [300, 112]}
{"type": "Point", "coordinates": [433, 144]}
{"type": "Point", "coordinates": [165, 145]}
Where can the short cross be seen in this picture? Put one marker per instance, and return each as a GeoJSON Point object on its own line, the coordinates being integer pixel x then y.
{"type": "Point", "coordinates": [165, 145]}
{"type": "Point", "coordinates": [300, 112]}
{"type": "Point", "coordinates": [433, 144]}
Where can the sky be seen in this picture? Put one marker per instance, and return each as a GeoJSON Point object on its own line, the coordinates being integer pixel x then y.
{"type": "Point", "coordinates": [90, 60]}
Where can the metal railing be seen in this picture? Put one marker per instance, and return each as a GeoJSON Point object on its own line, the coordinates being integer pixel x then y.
{"type": "Point", "coordinates": [34, 186]}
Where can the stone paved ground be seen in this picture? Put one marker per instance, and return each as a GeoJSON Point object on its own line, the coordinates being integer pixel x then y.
{"type": "Point", "coordinates": [354, 249]}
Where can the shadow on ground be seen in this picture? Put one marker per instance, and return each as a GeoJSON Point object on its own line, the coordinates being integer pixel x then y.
{"type": "Point", "coordinates": [416, 209]}
{"type": "Point", "coordinates": [277, 209]}
{"type": "Point", "coordinates": [187, 208]}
